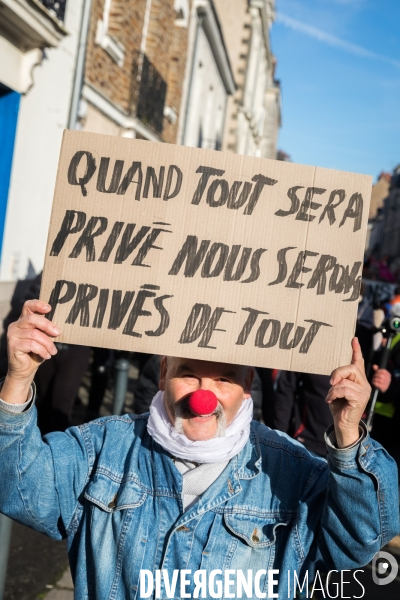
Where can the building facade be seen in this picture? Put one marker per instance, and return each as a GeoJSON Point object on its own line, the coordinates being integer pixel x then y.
{"type": "Point", "coordinates": [156, 70]}
{"type": "Point", "coordinates": [387, 242]}
{"type": "Point", "coordinates": [193, 72]}
{"type": "Point", "coordinates": [253, 114]}
{"type": "Point", "coordinates": [38, 49]}
{"type": "Point", "coordinates": [135, 64]}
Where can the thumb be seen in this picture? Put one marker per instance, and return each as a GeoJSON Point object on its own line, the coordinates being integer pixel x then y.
{"type": "Point", "coordinates": [357, 358]}
{"type": "Point", "coordinates": [375, 367]}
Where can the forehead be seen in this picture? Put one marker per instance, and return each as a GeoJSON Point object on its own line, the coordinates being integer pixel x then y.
{"type": "Point", "coordinates": [204, 368]}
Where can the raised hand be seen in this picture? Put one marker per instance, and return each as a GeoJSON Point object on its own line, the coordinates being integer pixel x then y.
{"type": "Point", "coordinates": [348, 397]}
{"type": "Point", "coordinates": [29, 343]}
{"type": "Point", "coordinates": [381, 379]}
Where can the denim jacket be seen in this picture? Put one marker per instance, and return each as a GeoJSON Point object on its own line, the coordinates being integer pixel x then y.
{"type": "Point", "coordinates": [117, 496]}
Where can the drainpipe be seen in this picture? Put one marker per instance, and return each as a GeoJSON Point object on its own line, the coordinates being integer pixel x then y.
{"type": "Point", "coordinates": [199, 21]}
{"type": "Point", "coordinates": [80, 64]}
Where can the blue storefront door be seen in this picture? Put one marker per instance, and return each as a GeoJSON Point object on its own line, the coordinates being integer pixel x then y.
{"type": "Point", "coordinates": [9, 105]}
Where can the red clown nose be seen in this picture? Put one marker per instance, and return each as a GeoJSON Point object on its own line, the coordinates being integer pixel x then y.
{"type": "Point", "coordinates": [203, 402]}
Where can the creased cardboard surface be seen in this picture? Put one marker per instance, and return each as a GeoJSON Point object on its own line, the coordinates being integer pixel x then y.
{"type": "Point", "coordinates": [186, 262]}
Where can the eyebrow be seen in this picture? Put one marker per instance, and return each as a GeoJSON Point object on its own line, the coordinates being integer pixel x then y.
{"type": "Point", "coordinates": [228, 374]}
{"type": "Point", "coordinates": [182, 368]}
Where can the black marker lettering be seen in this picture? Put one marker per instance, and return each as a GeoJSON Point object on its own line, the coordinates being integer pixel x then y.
{"type": "Point", "coordinates": [101, 308]}
{"type": "Point", "coordinates": [128, 244]}
{"type": "Point", "coordinates": [178, 184]}
{"type": "Point", "coordinates": [147, 246]}
{"type": "Point", "coordinates": [330, 207]}
{"type": "Point", "coordinates": [255, 266]}
{"type": "Point", "coordinates": [299, 268]}
{"type": "Point", "coordinates": [87, 236]}
{"type": "Point", "coordinates": [282, 265]}
{"type": "Point", "coordinates": [193, 257]}
{"type": "Point", "coordinates": [56, 298]}
{"type": "Point", "coordinates": [73, 168]}
{"type": "Point", "coordinates": [244, 194]}
{"type": "Point", "coordinates": [308, 205]}
{"type": "Point", "coordinates": [334, 284]}
{"type": "Point", "coordinates": [356, 290]}
{"type": "Point", "coordinates": [211, 327]}
{"type": "Point", "coordinates": [261, 181]}
{"type": "Point", "coordinates": [136, 167]}
{"type": "Point", "coordinates": [199, 314]}
{"type": "Point", "coordinates": [67, 228]}
{"type": "Point", "coordinates": [241, 267]}
{"type": "Point", "coordinates": [216, 248]}
{"type": "Point", "coordinates": [354, 211]}
{"type": "Point", "coordinates": [86, 292]}
{"type": "Point", "coordinates": [115, 178]}
{"type": "Point", "coordinates": [223, 194]}
{"type": "Point", "coordinates": [156, 183]}
{"type": "Point", "coordinates": [325, 264]}
{"type": "Point", "coordinates": [112, 240]}
{"type": "Point", "coordinates": [137, 311]}
{"type": "Point", "coordinates": [164, 320]}
{"type": "Point", "coordinates": [312, 332]}
{"type": "Point", "coordinates": [351, 278]}
{"type": "Point", "coordinates": [248, 326]}
{"type": "Point", "coordinates": [262, 330]}
{"type": "Point", "coordinates": [284, 344]}
{"type": "Point", "coordinates": [295, 202]}
{"type": "Point", "coordinates": [207, 172]}
{"type": "Point", "coordinates": [118, 308]}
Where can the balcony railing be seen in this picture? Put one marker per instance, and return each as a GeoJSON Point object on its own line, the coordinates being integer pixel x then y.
{"type": "Point", "coordinates": [56, 7]}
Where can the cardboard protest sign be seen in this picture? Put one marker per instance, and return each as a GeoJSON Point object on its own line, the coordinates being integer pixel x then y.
{"type": "Point", "coordinates": [189, 252]}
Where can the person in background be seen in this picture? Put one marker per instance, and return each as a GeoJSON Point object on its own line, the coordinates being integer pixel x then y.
{"type": "Point", "coordinates": [396, 297]}
{"type": "Point", "coordinates": [386, 421]}
{"type": "Point", "coordinates": [365, 327]}
{"type": "Point", "coordinates": [102, 359]}
{"type": "Point", "coordinates": [267, 377]}
{"type": "Point", "coordinates": [299, 408]}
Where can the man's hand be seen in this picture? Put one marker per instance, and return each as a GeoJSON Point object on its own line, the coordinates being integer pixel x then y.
{"type": "Point", "coordinates": [348, 398]}
{"type": "Point", "coordinates": [381, 379]}
{"type": "Point", "coordinates": [29, 344]}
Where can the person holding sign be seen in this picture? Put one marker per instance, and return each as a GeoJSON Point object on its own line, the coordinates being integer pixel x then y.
{"type": "Point", "coordinates": [195, 499]}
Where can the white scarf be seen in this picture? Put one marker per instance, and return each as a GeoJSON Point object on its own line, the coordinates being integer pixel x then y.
{"type": "Point", "coordinates": [208, 451]}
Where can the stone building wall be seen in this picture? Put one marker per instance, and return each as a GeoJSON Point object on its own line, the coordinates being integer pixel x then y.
{"type": "Point", "coordinates": [253, 112]}
{"type": "Point", "coordinates": [150, 48]}
{"type": "Point", "coordinates": [176, 74]}
{"type": "Point", "coordinates": [102, 71]}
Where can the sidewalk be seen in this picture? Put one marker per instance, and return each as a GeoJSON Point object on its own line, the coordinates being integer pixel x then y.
{"type": "Point", "coordinates": [63, 589]}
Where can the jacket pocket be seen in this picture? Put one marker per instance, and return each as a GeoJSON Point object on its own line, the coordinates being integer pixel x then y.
{"type": "Point", "coordinates": [258, 531]}
{"type": "Point", "coordinates": [111, 495]}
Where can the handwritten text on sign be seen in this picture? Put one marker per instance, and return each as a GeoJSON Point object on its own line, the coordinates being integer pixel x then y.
{"type": "Point", "coordinates": [180, 251]}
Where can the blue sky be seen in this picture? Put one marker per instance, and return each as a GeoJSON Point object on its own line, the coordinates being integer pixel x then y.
{"type": "Point", "coordinates": [339, 66]}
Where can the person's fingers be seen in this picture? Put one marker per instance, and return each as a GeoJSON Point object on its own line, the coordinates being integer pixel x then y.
{"type": "Point", "coordinates": [348, 372]}
{"type": "Point", "coordinates": [35, 306]}
{"type": "Point", "coordinates": [346, 390]}
{"type": "Point", "coordinates": [346, 382]}
{"type": "Point", "coordinates": [375, 367]}
{"type": "Point", "coordinates": [357, 358]}
{"type": "Point", "coordinates": [29, 346]}
{"type": "Point", "coordinates": [35, 321]}
{"type": "Point", "coordinates": [34, 334]}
